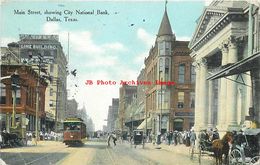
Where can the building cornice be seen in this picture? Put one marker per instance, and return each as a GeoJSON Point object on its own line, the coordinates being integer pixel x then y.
{"type": "Point", "coordinates": [232, 14]}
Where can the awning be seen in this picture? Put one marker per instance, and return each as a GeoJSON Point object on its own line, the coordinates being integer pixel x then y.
{"type": "Point", "coordinates": [244, 65]}
{"type": "Point", "coordinates": [178, 120]}
{"type": "Point", "coordinates": [149, 124]}
{"type": "Point", "coordinates": [135, 123]}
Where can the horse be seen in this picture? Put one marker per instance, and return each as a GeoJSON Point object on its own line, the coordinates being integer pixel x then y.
{"type": "Point", "coordinates": [221, 146]}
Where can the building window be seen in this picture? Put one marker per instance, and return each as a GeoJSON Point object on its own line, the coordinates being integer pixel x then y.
{"type": "Point", "coordinates": [160, 65]}
{"type": "Point", "coordinates": [51, 68]}
{"type": "Point", "coordinates": [192, 100]}
{"type": "Point", "coordinates": [192, 74]}
{"type": "Point", "coordinates": [181, 73]}
{"type": "Point", "coordinates": [3, 94]}
{"type": "Point", "coordinates": [51, 92]}
{"type": "Point", "coordinates": [167, 48]}
{"type": "Point", "coordinates": [255, 30]}
{"type": "Point", "coordinates": [18, 96]}
{"type": "Point", "coordinates": [161, 48]}
{"type": "Point", "coordinates": [180, 100]}
{"type": "Point", "coordinates": [167, 66]}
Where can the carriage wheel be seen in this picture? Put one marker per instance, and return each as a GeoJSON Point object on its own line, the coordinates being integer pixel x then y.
{"type": "Point", "coordinates": [255, 160]}
{"type": "Point", "coordinates": [235, 157]}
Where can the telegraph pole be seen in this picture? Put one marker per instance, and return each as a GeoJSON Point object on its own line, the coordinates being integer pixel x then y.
{"type": "Point", "coordinates": [37, 104]}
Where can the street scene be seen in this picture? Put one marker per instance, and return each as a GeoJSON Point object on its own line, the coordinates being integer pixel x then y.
{"type": "Point", "coordinates": [154, 82]}
{"type": "Point", "coordinates": [97, 153]}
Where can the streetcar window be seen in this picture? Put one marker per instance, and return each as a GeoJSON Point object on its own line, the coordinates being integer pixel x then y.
{"type": "Point", "coordinates": [72, 126]}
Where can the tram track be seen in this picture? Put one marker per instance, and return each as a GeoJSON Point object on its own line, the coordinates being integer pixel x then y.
{"type": "Point", "coordinates": [109, 152]}
{"type": "Point", "coordinates": [33, 155]}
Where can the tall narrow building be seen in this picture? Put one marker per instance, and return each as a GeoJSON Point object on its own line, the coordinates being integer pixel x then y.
{"type": "Point", "coordinates": [162, 68]}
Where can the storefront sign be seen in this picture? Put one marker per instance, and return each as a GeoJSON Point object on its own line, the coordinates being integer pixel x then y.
{"type": "Point", "coordinates": [39, 37]}
{"type": "Point", "coordinates": [38, 46]}
{"type": "Point", "coordinates": [184, 113]}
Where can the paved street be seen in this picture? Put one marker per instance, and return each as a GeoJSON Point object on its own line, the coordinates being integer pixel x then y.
{"type": "Point", "coordinates": [97, 153]}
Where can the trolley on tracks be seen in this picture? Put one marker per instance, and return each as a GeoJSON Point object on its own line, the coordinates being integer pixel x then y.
{"type": "Point", "coordinates": [74, 131]}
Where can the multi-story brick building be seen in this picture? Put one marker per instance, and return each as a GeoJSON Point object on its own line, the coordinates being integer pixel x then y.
{"type": "Point", "coordinates": [170, 103]}
{"type": "Point", "coordinates": [49, 47]}
{"type": "Point", "coordinates": [126, 94]}
{"type": "Point", "coordinates": [25, 97]}
{"type": "Point", "coordinates": [112, 115]}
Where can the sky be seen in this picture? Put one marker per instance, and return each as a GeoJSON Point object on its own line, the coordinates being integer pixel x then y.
{"type": "Point", "coordinates": [108, 47]}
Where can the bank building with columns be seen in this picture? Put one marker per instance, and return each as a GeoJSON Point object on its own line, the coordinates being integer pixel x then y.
{"type": "Point", "coordinates": [226, 53]}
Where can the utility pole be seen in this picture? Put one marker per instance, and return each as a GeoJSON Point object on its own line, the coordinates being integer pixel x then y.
{"type": "Point", "coordinates": [14, 80]}
{"type": "Point", "coordinates": [56, 111]}
{"type": "Point", "coordinates": [37, 104]}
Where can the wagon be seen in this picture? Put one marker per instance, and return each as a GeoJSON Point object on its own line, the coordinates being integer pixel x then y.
{"type": "Point", "coordinates": [246, 151]}
{"type": "Point", "coordinates": [138, 138]}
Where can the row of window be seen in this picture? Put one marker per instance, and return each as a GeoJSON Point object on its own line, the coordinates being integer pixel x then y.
{"type": "Point", "coordinates": [3, 94]}
{"type": "Point", "coordinates": [181, 73]}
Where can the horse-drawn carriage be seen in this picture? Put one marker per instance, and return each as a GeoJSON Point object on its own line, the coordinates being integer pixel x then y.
{"type": "Point", "coordinates": [138, 138]}
{"type": "Point", "coordinates": [9, 140]}
{"type": "Point", "coordinates": [246, 148]}
{"type": "Point", "coordinates": [215, 147]}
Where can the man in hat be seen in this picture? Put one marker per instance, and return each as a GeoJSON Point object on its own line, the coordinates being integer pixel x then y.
{"type": "Point", "coordinates": [215, 134]}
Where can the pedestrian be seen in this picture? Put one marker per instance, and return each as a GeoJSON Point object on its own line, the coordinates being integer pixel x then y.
{"type": "Point", "coordinates": [175, 134]}
{"type": "Point", "coordinates": [193, 138]}
{"type": "Point", "coordinates": [34, 139]}
{"type": "Point", "coordinates": [108, 139]}
{"type": "Point", "coordinates": [114, 138]}
{"type": "Point", "coordinates": [188, 138]}
{"type": "Point", "coordinates": [169, 137]}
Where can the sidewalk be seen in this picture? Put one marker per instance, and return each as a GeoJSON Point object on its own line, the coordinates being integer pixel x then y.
{"type": "Point", "coordinates": [181, 149]}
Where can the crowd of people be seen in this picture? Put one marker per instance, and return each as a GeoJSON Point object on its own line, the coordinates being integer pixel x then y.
{"type": "Point", "coordinates": [186, 137]}
{"type": "Point", "coordinates": [31, 138]}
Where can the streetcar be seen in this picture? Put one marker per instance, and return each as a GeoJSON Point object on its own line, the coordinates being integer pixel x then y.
{"type": "Point", "coordinates": [74, 131]}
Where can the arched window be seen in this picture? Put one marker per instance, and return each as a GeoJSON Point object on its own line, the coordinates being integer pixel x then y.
{"type": "Point", "coordinates": [181, 74]}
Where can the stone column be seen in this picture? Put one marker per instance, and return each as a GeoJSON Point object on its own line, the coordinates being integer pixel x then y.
{"type": "Point", "coordinates": [231, 101]}
{"type": "Point", "coordinates": [197, 117]}
{"type": "Point", "coordinates": [210, 104]}
{"type": "Point", "coordinates": [223, 88]}
{"type": "Point", "coordinates": [203, 93]}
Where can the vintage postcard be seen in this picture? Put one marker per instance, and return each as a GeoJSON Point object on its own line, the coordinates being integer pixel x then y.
{"type": "Point", "coordinates": [130, 82]}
